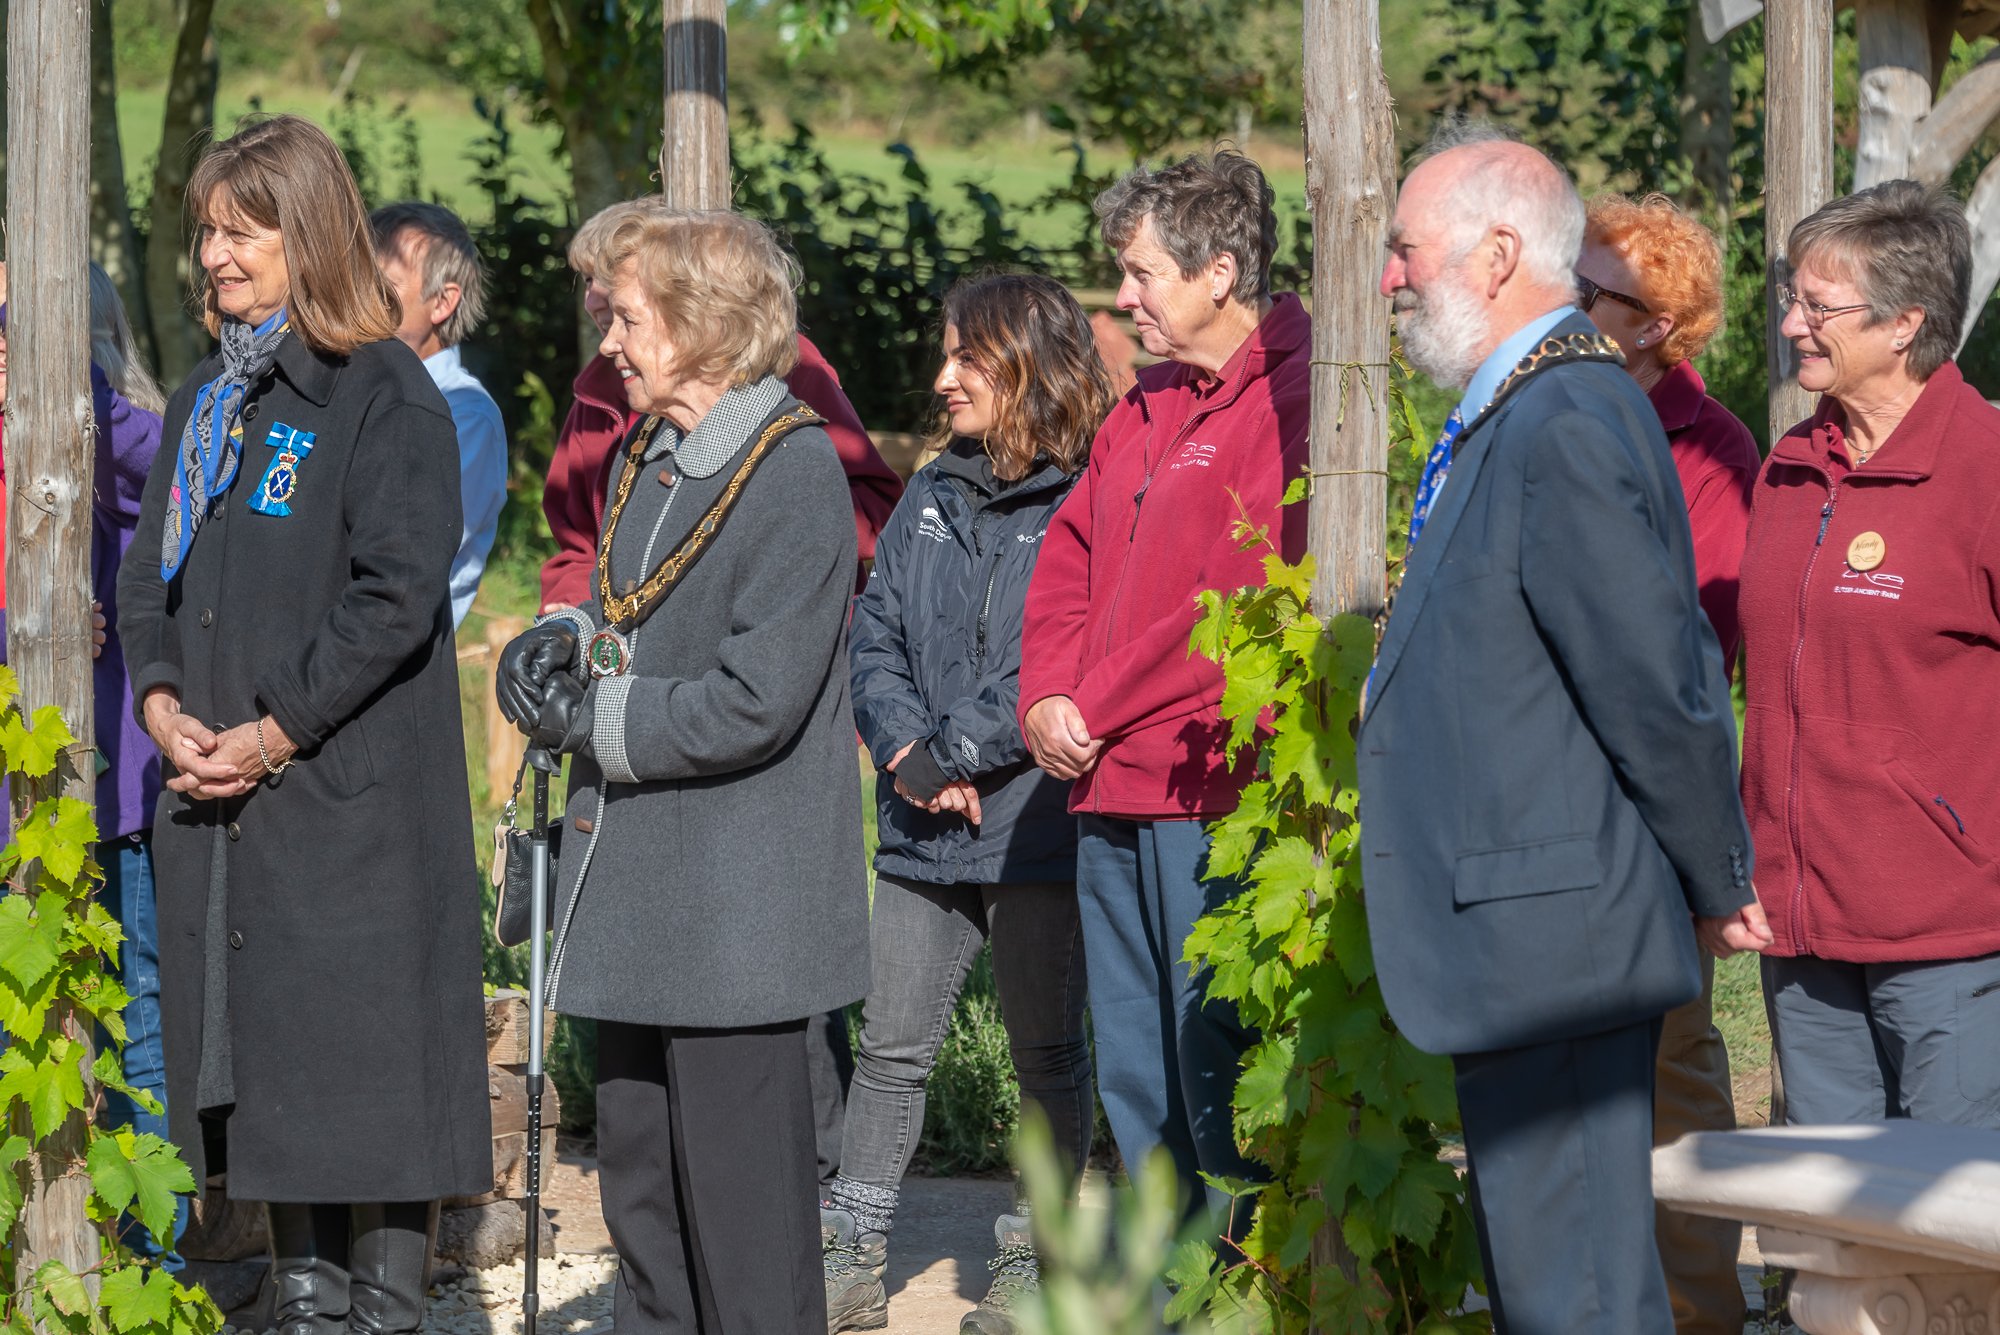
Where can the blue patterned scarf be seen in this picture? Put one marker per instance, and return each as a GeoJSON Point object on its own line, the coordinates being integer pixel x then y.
{"type": "Point", "coordinates": [210, 447]}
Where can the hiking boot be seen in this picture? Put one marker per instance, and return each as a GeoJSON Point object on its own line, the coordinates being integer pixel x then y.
{"type": "Point", "coordinates": [854, 1261]}
{"type": "Point", "coordinates": [1017, 1275]}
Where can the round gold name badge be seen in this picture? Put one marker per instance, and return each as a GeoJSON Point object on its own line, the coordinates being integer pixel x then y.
{"type": "Point", "coordinates": [1866, 551]}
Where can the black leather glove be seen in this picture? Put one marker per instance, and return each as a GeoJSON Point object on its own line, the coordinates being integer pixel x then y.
{"type": "Point", "coordinates": [526, 666]}
{"type": "Point", "coordinates": [562, 725]}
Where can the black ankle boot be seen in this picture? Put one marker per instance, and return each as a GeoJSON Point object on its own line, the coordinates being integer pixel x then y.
{"type": "Point", "coordinates": [309, 1269]}
{"type": "Point", "coordinates": [390, 1254]}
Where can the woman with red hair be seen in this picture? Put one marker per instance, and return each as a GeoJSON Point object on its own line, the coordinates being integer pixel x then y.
{"type": "Point", "coordinates": [1650, 277]}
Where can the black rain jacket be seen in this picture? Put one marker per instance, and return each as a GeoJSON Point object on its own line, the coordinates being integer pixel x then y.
{"type": "Point", "coordinates": [935, 650]}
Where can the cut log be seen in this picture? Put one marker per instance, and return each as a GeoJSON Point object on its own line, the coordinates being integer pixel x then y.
{"type": "Point", "coordinates": [507, 1028]}
{"type": "Point", "coordinates": [510, 1168]}
{"type": "Point", "coordinates": [507, 1090]}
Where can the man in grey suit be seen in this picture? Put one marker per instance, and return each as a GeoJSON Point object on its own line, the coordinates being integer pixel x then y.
{"type": "Point", "coordinates": [1547, 765]}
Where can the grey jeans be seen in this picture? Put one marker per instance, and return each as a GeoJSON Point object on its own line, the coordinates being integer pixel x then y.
{"type": "Point", "coordinates": [1864, 1042]}
{"type": "Point", "coordinates": [923, 941]}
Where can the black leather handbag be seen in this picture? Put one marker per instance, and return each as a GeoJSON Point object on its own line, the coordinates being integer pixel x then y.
{"type": "Point", "coordinates": [511, 858]}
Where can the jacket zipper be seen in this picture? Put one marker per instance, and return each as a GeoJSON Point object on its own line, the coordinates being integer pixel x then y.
{"type": "Point", "coordinates": [1796, 817]}
{"type": "Point", "coordinates": [986, 606]}
{"type": "Point", "coordinates": [1939, 799]}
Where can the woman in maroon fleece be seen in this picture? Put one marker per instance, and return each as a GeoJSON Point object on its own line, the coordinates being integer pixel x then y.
{"type": "Point", "coordinates": [1871, 619]}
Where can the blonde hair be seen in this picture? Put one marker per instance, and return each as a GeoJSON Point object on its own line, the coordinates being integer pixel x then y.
{"type": "Point", "coordinates": [585, 247]}
{"type": "Point", "coordinates": [719, 282]}
{"type": "Point", "coordinates": [1677, 259]}
{"type": "Point", "coordinates": [115, 351]}
{"type": "Point", "coordinates": [285, 174]}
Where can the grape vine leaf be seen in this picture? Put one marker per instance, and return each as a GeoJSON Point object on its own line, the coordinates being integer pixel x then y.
{"type": "Point", "coordinates": [59, 837]}
{"type": "Point", "coordinates": [12, 1151]}
{"type": "Point", "coordinates": [140, 1173]}
{"type": "Point", "coordinates": [49, 1088]}
{"type": "Point", "coordinates": [34, 752]}
{"type": "Point", "coordinates": [30, 936]}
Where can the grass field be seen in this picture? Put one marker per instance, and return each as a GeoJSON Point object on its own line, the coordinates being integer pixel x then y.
{"type": "Point", "coordinates": [447, 132]}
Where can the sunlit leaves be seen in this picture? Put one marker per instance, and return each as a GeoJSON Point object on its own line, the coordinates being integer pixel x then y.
{"type": "Point", "coordinates": [58, 952]}
{"type": "Point", "coordinates": [1346, 1113]}
{"type": "Point", "coordinates": [33, 752]}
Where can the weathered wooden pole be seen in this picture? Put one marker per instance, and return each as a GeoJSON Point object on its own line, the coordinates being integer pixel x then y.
{"type": "Point", "coordinates": [1351, 188]}
{"type": "Point", "coordinates": [1798, 167]}
{"type": "Point", "coordinates": [49, 436]}
{"type": "Point", "coordinates": [694, 160]}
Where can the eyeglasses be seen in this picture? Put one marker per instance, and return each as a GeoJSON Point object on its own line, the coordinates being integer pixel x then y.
{"type": "Point", "coordinates": [1590, 292]}
{"type": "Point", "coordinates": [1817, 313]}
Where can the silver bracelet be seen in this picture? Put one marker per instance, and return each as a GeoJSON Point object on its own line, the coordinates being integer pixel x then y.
{"type": "Point", "coordinates": [270, 770]}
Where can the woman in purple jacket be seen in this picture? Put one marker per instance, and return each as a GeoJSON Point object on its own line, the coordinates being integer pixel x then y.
{"type": "Point", "coordinates": [126, 402]}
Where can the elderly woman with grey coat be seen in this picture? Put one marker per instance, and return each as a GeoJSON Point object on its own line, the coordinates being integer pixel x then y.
{"type": "Point", "coordinates": [711, 889]}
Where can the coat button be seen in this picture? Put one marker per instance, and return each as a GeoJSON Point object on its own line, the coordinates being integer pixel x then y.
{"type": "Point", "coordinates": [250, 413]}
{"type": "Point", "coordinates": [236, 940]}
{"type": "Point", "coordinates": [235, 830]}
{"type": "Point", "coordinates": [207, 616]}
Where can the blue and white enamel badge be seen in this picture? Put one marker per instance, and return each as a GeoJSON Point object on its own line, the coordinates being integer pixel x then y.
{"type": "Point", "coordinates": [281, 476]}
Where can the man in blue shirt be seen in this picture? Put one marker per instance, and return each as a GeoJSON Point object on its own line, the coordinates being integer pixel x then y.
{"type": "Point", "coordinates": [427, 256]}
{"type": "Point", "coordinates": [1549, 811]}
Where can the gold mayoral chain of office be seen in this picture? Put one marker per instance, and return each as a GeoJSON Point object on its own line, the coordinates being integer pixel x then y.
{"type": "Point", "coordinates": [627, 610]}
{"type": "Point", "coordinates": [1553, 351]}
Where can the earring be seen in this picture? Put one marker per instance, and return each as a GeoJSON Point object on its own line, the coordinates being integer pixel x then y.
{"type": "Point", "coordinates": [1642, 342]}
{"type": "Point", "coordinates": [1899, 345]}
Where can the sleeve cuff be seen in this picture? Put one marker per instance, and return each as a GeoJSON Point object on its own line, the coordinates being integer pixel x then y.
{"type": "Point", "coordinates": [609, 697]}
{"type": "Point", "coordinates": [921, 774]}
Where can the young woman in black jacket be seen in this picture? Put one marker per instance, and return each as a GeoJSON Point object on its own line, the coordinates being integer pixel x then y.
{"type": "Point", "coordinates": [977, 844]}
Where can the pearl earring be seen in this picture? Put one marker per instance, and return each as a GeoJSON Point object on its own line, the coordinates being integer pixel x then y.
{"type": "Point", "coordinates": [1899, 345]}
{"type": "Point", "coordinates": [1642, 342]}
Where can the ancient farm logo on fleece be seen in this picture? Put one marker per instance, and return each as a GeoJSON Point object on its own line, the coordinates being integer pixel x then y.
{"type": "Point", "coordinates": [1194, 454]}
{"type": "Point", "coordinates": [1870, 584]}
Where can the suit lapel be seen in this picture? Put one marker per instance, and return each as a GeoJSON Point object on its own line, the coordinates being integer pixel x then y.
{"type": "Point", "coordinates": [1429, 553]}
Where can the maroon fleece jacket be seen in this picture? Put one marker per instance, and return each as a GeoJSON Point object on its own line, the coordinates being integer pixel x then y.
{"type": "Point", "coordinates": [580, 473]}
{"type": "Point", "coordinates": [1149, 525]}
{"type": "Point", "coordinates": [1871, 622]}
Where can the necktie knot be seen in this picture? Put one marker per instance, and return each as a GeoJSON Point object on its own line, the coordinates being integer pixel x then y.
{"type": "Point", "coordinates": [1436, 465]}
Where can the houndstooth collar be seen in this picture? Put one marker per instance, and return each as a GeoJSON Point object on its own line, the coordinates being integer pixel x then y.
{"type": "Point", "coordinates": [721, 435]}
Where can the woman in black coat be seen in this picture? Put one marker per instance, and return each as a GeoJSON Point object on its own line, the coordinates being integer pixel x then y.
{"type": "Point", "coordinates": [977, 844]}
{"type": "Point", "coordinates": [283, 611]}
{"type": "Point", "coordinates": [712, 892]}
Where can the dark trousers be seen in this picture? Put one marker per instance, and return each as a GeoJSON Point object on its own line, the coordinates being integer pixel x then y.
{"type": "Point", "coordinates": [1559, 1139]}
{"type": "Point", "coordinates": [830, 1068]}
{"type": "Point", "coordinates": [1866, 1042]}
{"type": "Point", "coordinates": [705, 1163]}
{"type": "Point", "coordinates": [923, 941]}
{"type": "Point", "coordinates": [1167, 1059]}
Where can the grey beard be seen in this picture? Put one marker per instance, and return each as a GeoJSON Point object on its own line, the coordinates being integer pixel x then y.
{"type": "Point", "coordinates": [1441, 334]}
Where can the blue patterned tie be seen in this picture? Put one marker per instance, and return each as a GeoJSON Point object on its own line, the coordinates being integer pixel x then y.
{"type": "Point", "coordinates": [1435, 468]}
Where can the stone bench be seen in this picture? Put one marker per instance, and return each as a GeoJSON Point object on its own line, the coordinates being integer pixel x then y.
{"type": "Point", "coordinates": [1893, 1227]}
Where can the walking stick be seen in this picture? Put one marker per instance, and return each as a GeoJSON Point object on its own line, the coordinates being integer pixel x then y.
{"type": "Point", "coordinates": [542, 762]}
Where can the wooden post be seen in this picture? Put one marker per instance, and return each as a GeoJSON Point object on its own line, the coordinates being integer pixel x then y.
{"type": "Point", "coordinates": [1351, 188]}
{"type": "Point", "coordinates": [504, 742]}
{"type": "Point", "coordinates": [694, 160]}
{"type": "Point", "coordinates": [1798, 167]}
{"type": "Point", "coordinates": [49, 438]}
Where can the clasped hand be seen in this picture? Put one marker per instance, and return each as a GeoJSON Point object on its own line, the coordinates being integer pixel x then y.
{"type": "Point", "coordinates": [1059, 739]}
{"type": "Point", "coordinates": [212, 764]}
{"type": "Point", "coordinates": [537, 690]}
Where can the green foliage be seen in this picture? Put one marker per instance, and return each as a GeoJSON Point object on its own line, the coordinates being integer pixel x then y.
{"type": "Point", "coordinates": [1347, 1115]}
{"type": "Point", "coordinates": [1100, 1274]}
{"type": "Point", "coordinates": [1147, 73]}
{"type": "Point", "coordinates": [56, 944]}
